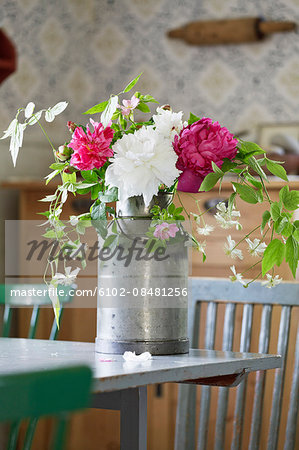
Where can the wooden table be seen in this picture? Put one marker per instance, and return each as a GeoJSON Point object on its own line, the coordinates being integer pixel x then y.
{"type": "Point", "coordinates": [121, 385]}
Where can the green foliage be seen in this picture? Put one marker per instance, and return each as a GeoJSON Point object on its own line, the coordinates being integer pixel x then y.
{"type": "Point", "coordinates": [292, 254]}
{"type": "Point", "coordinates": [193, 118]}
{"type": "Point", "coordinates": [290, 199]}
{"type": "Point", "coordinates": [131, 84]}
{"type": "Point", "coordinates": [276, 169]}
{"type": "Point", "coordinates": [247, 193]}
{"type": "Point", "coordinates": [97, 108]}
{"type": "Point", "coordinates": [209, 182]}
{"type": "Point", "coordinates": [273, 255]}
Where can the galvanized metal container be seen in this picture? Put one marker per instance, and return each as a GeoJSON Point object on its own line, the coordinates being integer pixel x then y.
{"type": "Point", "coordinates": [143, 303]}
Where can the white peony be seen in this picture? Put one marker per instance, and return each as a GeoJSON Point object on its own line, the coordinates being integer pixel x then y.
{"type": "Point", "coordinates": [141, 162]}
{"type": "Point", "coordinates": [168, 123]}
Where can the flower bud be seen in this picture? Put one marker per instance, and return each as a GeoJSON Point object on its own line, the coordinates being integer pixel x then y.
{"type": "Point", "coordinates": [63, 153]}
{"type": "Point", "coordinates": [71, 126]}
{"type": "Point", "coordinates": [166, 107]}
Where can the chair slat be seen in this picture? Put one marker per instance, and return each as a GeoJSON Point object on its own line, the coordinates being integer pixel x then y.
{"type": "Point", "coordinates": [7, 315]}
{"type": "Point", "coordinates": [241, 389]}
{"type": "Point", "coordinates": [185, 419]}
{"type": "Point", "coordinates": [227, 344]}
{"type": "Point", "coordinates": [294, 403]}
{"type": "Point", "coordinates": [260, 379]}
{"type": "Point", "coordinates": [205, 393]}
{"type": "Point", "coordinates": [282, 345]}
{"type": "Point", "coordinates": [33, 322]}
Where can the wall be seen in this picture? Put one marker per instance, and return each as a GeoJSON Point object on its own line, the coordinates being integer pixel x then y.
{"type": "Point", "coordinates": [81, 51]}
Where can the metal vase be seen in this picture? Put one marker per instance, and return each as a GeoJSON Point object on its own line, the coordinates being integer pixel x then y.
{"type": "Point", "coordinates": [142, 301]}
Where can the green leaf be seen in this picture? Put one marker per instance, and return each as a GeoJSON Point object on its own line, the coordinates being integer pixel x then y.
{"type": "Point", "coordinates": [216, 169]}
{"type": "Point", "coordinates": [149, 98]}
{"type": "Point", "coordinates": [246, 193]}
{"type": "Point", "coordinates": [131, 84]}
{"type": "Point", "coordinates": [122, 122]}
{"type": "Point", "coordinates": [296, 234]}
{"type": "Point", "coordinates": [256, 183]}
{"type": "Point", "coordinates": [276, 169]}
{"type": "Point", "coordinates": [231, 202]}
{"type": "Point", "coordinates": [99, 219]}
{"type": "Point", "coordinates": [171, 208]}
{"type": "Point", "coordinates": [111, 195]}
{"type": "Point", "coordinates": [280, 225]}
{"type": "Point", "coordinates": [209, 182]}
{"type": "Point", "coordinates": [69, 177]}
{"type": "Point", "coordinates": [287, 230]}
{"type": "Point", "coordinates": [58, 166]}
{"type": "Point", "coordinates": [97, 108]}
{"type": "Point", "coordinates": [275, 211]}
{"type": "Point", "coordinates": [89, 175]}
{"type": "Point", "coordinates": [109, 240]}
{"type": "Point", "coordinates": [143, 107]}
{"type": "Point", "coordinates": [273, 255]}
{"type": "Point", "coordinates": [193, 118]}
{"type": "Point", "coordinates": [290, 199]}
{"type": "Point", "coordinates": [51, 176]}
{"type": "Point", "coordinates": [265, 219]}
{"type": "Point", "coordinates": [254, 164]}
{"type": "Point", "coordinates": [98, 212]}
{"type": "Point", "coordinates": [109, 110]}
{"type": "Point", "coordinates": [48, 198]}
{"type": "Point", "coordinates": [228, 165]}
{"type": "Point", "coordinates": [250, 147]}
{"type": "Point", "coordinates": [292, 254]}
{"type": "Point", "coordinates": [95, 191]}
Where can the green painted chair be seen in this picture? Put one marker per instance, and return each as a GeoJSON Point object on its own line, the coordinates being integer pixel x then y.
{"type": "Point", "coordinates": [33, 395]}
{"type": "Point", "coordinates": [13, 296]}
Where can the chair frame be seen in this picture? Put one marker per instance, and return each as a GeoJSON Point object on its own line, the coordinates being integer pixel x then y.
{"type": "Point", "coordinates": [215, 291]}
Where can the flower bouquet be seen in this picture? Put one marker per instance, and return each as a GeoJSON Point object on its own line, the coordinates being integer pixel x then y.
{"type": "Point", "coordinates": [118, 157]}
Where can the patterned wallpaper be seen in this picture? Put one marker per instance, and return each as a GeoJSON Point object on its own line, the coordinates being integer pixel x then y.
{"type": "Point", "coordinates": [80, 51]}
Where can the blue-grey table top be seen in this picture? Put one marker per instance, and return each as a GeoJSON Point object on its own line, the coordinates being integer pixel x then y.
{"type": "Point", "coordinates": [112, 372]}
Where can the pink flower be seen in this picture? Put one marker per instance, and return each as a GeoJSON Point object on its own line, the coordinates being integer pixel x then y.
{"type": "Point", "coordinates": [91, 150]}
{"type": "Point", "coordinates": [165, 230]}
{"type": "Point", "coordinates": [129, 105]}
{"type": "Point", "coordinates": [197, 146]}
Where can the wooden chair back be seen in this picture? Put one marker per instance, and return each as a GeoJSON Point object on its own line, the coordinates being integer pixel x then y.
{"type": "Point", "coordinates": [207, 296]}
{"type": "Point", "coordinates": [34, 296]}
{"type": "Point", "coordinates": [34, 395]}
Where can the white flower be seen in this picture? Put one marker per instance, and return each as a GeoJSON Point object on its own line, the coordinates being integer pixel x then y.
{"type": "Point", "coordinates": [227, 219]}
{"type": "Point", "coordinates": [236, 276]}
{"type": "Point", "coordinates": [205, 230]}
{"type": "Point", "coordinates": [201, 246]}
{"type": "Point", "coordinates": [68, 278]}
{"type": "Point", "coordinates": [142, 161]}
{"type": "Point", "coordinates": [168, 123]}
{"type": "Point", "coordinates": [256, 247]}
{"type": "Point", "coordinates": [271, 281]}
{"type": "Point", "coordinates": [230, 250]}
{"type": "Point", "coordinates": [196, 218]}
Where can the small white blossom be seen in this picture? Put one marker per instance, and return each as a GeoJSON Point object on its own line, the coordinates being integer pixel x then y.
{"type": "Point", "coordinates": [230, 249]}
{"type": "Point", "coordinates": [236, 276]}
{"type": "Point", "coordinates": [68, 278]}
{"type": "Point", "coordinates": [206, 230]}
{"type": "Point", "coordinates": [256, 247]}
{"type": "Point", "coordinates": [201, 246]}
{"type": "Point", "coordinates": [196, 218]}
{"type": "Point", "coordinates": [271, 281]}
{"type": "Point", "coordinates": [226, 218]}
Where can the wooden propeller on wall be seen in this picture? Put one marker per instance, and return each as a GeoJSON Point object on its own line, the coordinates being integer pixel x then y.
{"type": "Point", "coordinates": [230, 31]}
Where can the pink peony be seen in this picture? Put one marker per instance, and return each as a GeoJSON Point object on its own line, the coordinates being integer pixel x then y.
{"type": "Point", "coordinates": [197, 146]}
{"type": "Point", "coordinates": [165, 230]}
{"type": "Point", "coordinates": [91, 150]}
